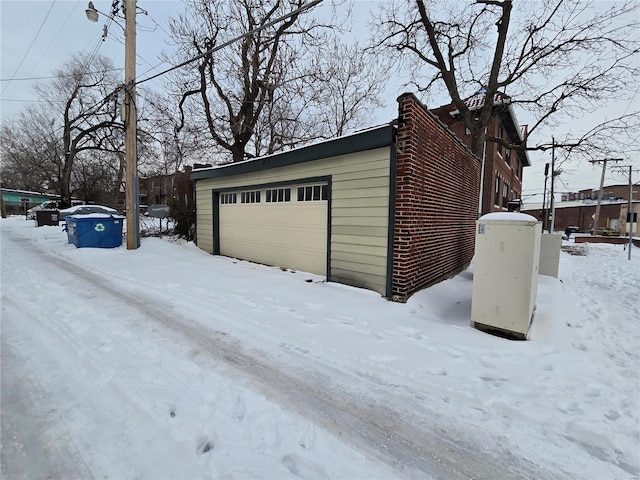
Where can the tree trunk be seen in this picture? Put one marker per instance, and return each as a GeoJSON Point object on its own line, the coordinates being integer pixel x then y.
{"type": "Point", "coordinates": [65, 193]}
{"type": "Point", "coordinates": [3, 209]}
{"type": "Point", "coordinates": [237, 152]}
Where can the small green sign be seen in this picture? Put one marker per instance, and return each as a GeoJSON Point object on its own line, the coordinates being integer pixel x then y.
{"type": "Point", "coordinates": [99, 227]}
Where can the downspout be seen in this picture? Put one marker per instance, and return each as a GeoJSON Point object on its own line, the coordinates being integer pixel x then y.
{"type": "Point", "coordinates": [484, 154]}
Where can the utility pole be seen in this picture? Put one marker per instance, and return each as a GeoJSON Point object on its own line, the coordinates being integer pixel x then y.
{"type": "Point", "coordinates": [630, 215]}
{"type": "Point", "coordinates": [596, 217]}
{"type": "Point", "coordinates": [130, 149]}
{"type": "Point", "coordinates": [545, 215]}
{"type": "Point", "coordinates": [132, 184]}
{"type": "Point", "coordinates": [553, 180]}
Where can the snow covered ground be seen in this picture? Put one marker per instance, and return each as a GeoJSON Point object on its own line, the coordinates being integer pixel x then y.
{"type": "Point", "coordinates": [167, 362]}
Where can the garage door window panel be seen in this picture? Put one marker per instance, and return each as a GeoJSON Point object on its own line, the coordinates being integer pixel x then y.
{"type": "Point", "coordinates": [228, 198]}
{"type": "Point", "coordinates": [313, 193]}
{"type": "Point", "coordinates": [278, 195]}
{"type": "Point", "coordinates": [250, 197]}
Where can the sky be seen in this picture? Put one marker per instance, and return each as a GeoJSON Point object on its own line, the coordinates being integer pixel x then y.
{"type": "Point", "coordinates": [38, 36]}
{"type": "Point", "coordinates": [167, 362]}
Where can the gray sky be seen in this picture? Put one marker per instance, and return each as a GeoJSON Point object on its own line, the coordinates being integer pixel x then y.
{"type": "Point", "coordinates": [39, 36]}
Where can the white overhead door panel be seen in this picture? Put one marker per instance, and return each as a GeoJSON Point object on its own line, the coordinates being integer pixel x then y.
{"type": "Point", "coordinates": [290, 234]}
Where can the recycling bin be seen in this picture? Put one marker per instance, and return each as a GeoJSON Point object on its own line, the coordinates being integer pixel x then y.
{"type": "Point", "coordinates": [94, 230]}
{"type": "Point", "coordinates": [46, 217]}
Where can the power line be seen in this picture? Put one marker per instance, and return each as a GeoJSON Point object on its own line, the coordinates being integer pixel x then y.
{"type": "Point", "coordinates": [229, 42]}
{"type": "Point", "coordinates": [28, 101]}
{"type": "Point", "coordinates": [58, 76]}
{"type": "Point", "coordinates": [29, 49]}
{"type": "Point", "coordinates": [50, 43]}
{"type": "Point", "coordinates": [212, 50]}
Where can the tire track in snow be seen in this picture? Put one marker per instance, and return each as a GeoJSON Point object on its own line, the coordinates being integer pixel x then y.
{"type": "Point", "coordinates": [413, 445]}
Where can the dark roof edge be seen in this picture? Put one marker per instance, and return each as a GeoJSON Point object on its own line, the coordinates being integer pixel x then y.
{"type": "Point", "coordinates": [357, 142]}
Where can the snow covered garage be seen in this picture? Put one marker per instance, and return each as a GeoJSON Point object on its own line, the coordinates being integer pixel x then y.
{"type": "Point", "coordinates": [391, 209]}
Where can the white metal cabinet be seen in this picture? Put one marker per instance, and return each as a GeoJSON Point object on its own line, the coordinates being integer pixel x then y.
{"type": "Point", "coordinates": [550, 246]}
{"type": "Point", "coordinates": [505, 279]}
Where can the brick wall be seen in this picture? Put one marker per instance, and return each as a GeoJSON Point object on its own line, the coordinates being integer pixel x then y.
{"type": "Point", "coordinates": [436, 201]}
{"type": "Point", "coordinates": [495, 164]}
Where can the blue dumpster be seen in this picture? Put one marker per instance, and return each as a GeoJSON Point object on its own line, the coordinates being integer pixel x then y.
{"type": "Point", "coordinates": [94, 230]}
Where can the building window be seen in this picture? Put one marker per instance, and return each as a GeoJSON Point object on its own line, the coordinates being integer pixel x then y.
{"type": "Point", "coordinates": [500, 133]}
{"type": "Point", "coordinates": [250, 197]}
{"type": "Point", "coordinates": [227, 198]}
{"type": "Point", "coordinates": [313, 193]}
{"type": "Point", "coordinates": [507, 156]}
{"type": "Point", "coordinates": [505, 194]}
{"type": "Point", "coordinates": [274, 195]}
{"type": "Point", "coordinates": [496, 195]}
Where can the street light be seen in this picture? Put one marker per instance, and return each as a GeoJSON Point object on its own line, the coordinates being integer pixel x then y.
{"type": "Point", "coordinates": [130, 121]}
{"type": "Point", "coordinates": [92, 13]}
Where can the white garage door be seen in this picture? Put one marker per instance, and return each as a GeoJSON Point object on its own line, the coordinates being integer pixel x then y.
{"type": "Point", "coordinates": [283, 226]}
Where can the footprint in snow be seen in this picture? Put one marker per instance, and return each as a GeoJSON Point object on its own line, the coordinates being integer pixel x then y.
{"type": "Point", "coordinates": [204, 445]}
{"type": "Point", "coordinates": [313, 306]}
{"type": "Point", "coordinates": [612, 415]}
{"type": "Point", "coordinates": [302, 468]}
{"type": "Point", "coordinates": [307, 439]}
{"type": "Point", "coordinates": [434, 371]}
{"type": "Point", "coordinates": [494, 380]}
{"type": "Point", "coordinates": [238, 409]}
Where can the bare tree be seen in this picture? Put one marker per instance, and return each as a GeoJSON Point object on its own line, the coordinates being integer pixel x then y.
{"type": "Point", "coordinates": [235, 85]}
{"type": "Point", "coordinates": [271, 90]}
{"type": "Point", "coordinates": [173, 143]}
{"type": "Point", "coordinates": [558, 60]}
{"type": "Point", "coordinates": [349, 81]}
{"type": "Point", "coordinates": [84, 96]}
{"type": "Point", "coordinates": [31, 152]}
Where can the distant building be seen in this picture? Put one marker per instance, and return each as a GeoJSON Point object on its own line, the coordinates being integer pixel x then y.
{"type": "Point", "coordinates": [18, 201]}
{"type": "Point", "coordinates": [581, 213]}
{"type": "Point", "coordinates": [610, 192]}
{"type": "Point", "coordinates": [159, 189]}
{"type": "Point", "coordinates": [503, 168]}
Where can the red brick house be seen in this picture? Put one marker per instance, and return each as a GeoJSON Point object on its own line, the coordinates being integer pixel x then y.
{"type": "Point", "coordinates": [391, 208]}
{"type": "Point", "coordinates": [158, 189]}
{"type": "Point", "coordinates": [503, 168]}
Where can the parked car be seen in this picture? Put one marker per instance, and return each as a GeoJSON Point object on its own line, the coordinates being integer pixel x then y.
{"type": "Point", "coordinates": [48, 205]}
{"type": "Point", "coordinates": [605, 231]}
{"type": "Point", "coordinates": [86, 209]}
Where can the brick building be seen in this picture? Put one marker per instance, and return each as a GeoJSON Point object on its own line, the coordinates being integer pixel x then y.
{"type": "Point", "coordinates": [158, 189]}
{"type": "Point", "coordinates": [609, 192]}
{"type": "Point", "coordinates": [580, 214]}
{"type": "Point", "coordinates": [503, 168]}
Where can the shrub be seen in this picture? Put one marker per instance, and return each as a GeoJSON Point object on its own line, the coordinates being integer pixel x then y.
{"type": "Point", "coordinates": [184, 217]}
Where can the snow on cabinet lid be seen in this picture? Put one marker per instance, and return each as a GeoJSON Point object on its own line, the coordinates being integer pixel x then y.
{"type": "Point", "coordinates": [508, 217]}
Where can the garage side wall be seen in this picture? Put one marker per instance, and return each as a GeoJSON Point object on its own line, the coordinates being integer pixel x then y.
{"type": "Point", "coordinates": [436, 201]}
{"type": "Point", "coordinates": [359, 211]}
{"type": "Point", "coordinates": [204, 215]}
